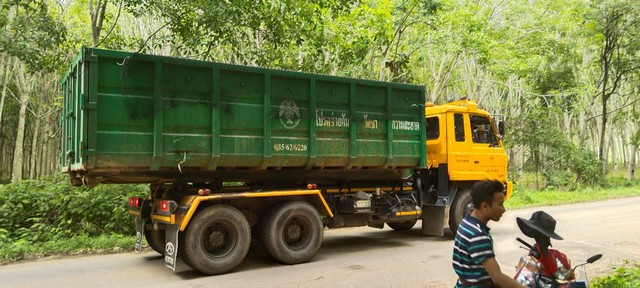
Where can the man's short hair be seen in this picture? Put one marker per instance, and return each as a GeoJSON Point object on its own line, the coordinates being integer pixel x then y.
{"type": "Point", "coordinates": [483, 191]}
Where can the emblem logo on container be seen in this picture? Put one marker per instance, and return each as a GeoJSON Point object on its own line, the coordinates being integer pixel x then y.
{"type": "Point", "coordinates": [289, 114]}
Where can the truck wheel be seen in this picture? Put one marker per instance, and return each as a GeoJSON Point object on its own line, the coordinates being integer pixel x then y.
{"type": "Point", "coordinates": [402, 226]}
{"type": "Point", "coordinates": [155, 239]}
{"type": "Point", "coordinates": [217, 240]}
{"type": "Point", "coordinates": [461, 207]}
{"type": "Point", "coordinates": [292, 232]}
{"type": "Point", "coordinates": [74, 180]}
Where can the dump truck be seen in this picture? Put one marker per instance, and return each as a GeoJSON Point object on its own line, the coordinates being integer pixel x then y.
{"type": "Point", "coordinates": [236, 155]}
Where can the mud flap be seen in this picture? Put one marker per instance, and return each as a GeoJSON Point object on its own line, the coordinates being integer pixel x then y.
{"type": "Point", "coordinates": [433, 220]}
{"type": "Point", "coordinates": [139, 233]}
{"type": "Point", "coordinates": [171, 246]}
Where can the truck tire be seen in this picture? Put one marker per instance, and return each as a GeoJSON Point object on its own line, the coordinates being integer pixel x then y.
{"type": "Point", "coordinates": [155, 239]}
{"type": "Point", "coordinates": [292, 232]}
{"type": "Point", "coordinates": [217, 240]}
{"type": "Point", "coordinates": [402, 226]}
{"type": "Point", "coordinates": [461, 207]}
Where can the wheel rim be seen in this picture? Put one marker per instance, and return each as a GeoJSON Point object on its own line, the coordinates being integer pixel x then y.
{"type": "Point", "coordinates": [467, 210]}
{"type": "Point", "coordinates": [219, 240]}
{"type": "Point", "coordinates": [296, 233]}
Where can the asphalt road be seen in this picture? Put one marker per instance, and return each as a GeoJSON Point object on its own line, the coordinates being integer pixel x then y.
{"type": "Point", "coordinates": [357, 257]}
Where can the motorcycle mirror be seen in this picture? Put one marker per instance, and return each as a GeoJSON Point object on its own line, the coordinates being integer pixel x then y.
{"type": "Point", "coordinates": [594, 258]}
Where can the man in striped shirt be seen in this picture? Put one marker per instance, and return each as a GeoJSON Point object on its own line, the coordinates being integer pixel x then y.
{"type": "Point", "coordinates": [473, 257]}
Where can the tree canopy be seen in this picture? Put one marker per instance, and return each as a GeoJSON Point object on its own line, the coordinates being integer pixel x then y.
{"type": "Point", "coordinates": [564, 73]}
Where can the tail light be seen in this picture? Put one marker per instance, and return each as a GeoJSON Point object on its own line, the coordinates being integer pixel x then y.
{"type": "Point", "coordinates": [166, 206]}
{"type": "Point", "coordinates": [135, 202]}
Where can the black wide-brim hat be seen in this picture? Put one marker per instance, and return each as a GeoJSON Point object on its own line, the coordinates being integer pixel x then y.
{"type": "Point", "coordinates": [539, 223]}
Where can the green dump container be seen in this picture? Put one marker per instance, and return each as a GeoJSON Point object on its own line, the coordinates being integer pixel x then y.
{"type": "Point", "coordinates": [131, 118]}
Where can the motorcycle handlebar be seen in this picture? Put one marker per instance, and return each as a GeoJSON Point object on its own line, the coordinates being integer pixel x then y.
{"type": "Point", "coordinates": [591, 259]}
{"type": "Point", "coordinates": [524, 243]}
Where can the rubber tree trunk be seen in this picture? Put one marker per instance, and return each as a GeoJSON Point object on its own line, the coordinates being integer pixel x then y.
{"type": "Point", "coordinates": [18, 152]}
{"type": "Point", "coordinates": [4, 66]}
{"type": "Point", "coordinates": [97, 12]}
{"type": "Point", "coordinates": [632, 160]}
{"type": "Point", "coordinates": [633, 152]}
{"type": "Point", "coordinates": [36, 147]}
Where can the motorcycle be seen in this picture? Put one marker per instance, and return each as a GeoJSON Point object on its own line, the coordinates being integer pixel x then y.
{"type": "Point", "coordinates": [532, 272]}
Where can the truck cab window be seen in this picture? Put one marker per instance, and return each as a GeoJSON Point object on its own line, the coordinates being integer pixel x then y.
{"type": "Point", "coordinates": [482, 131]}
{"type": "Point", "coordinates": [458, 123]}
{"type": "Point", "coordinates": [433, 128]}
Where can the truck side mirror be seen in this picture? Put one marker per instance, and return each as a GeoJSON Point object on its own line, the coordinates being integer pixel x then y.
{"type": "Point", "coordinates": [501, 129]}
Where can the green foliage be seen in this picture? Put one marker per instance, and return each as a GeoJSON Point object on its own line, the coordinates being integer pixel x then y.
{"type": "Point", "coordinates": [585, 164]}
{"type": "Point", "coordinates": [49, 216]}
{"type": "Point", "coordinates": [34, 35]}
{"type": "Point", "coordinates": [266, 33]}
{"type": "Point", "coordinates": [81, 244]}
{"type": "Point", "coordinates": [550, 152]}
{"type": "Point", "coordinates": [524, 197]}
{"type": "Point", "coordinates": [625, 276]}
{"type": "Point", "coordinates": [635, 139]}
{"type": "Point", "coordinates": [619, 181]}
{"type": "Point", "coordinates": [45, 210]}
{"type": "Point", "coordinates": [356, 38]}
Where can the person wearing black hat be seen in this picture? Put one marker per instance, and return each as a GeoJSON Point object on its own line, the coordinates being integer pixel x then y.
{"type": "Point", "coordinates": [541, 227]}
{"type": "Point", "coordinates": [473, 257]}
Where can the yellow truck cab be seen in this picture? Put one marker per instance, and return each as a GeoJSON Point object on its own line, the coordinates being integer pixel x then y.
{"type": "Point", "coordinates": [463, 146]}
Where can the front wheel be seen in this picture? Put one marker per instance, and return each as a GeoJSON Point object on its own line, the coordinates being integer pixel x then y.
{"type": "Point", "coordinates": [461, 207]}
{"type": "Point", "coordinates": [217, 240]}
{"type": "Point", "coordinates": [292, 232]}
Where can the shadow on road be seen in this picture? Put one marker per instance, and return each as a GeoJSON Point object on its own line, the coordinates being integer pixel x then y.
{"type": "Point", "coordinates": [154, 257]}
{"type": "Point", "coordinates": [335, 243]}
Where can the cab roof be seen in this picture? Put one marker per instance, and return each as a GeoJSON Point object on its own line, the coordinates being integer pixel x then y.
{"type": "Point", "coordinates": [462, 105]}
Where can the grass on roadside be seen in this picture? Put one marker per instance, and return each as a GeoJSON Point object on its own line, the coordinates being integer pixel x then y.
{"type": "Point", "coordinates": [78, 245]}
{"type": "Point", "coordinates": [525, 198]}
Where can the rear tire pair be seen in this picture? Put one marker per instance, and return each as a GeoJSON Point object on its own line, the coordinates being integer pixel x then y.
{"type": "Point", "coordinates": [219, 237]}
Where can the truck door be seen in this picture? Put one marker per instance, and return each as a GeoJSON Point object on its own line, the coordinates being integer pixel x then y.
{"type": "Point", "coordinates": [487, 152]}
{"type": "Point", "coordinates": [460, 165]}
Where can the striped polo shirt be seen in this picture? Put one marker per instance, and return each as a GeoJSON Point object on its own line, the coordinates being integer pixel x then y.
{"type": "Point", "coordinates": [473, 244]}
